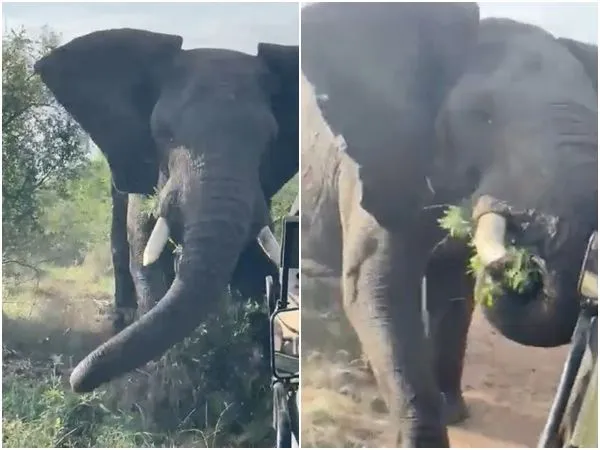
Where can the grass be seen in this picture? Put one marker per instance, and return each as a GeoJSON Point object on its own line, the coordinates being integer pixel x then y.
{"type": "Point", "coordinates": [341, 406]}
{"type": "Point", "coordinates": [520, 274]}
{"type": "Point", "coordinates": [212, 390]}
{"type": "Point", "coordinates": [39, 412]}
{"type": "Point", "coordinates": [192, 396]}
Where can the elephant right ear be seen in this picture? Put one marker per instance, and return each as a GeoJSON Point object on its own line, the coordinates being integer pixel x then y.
{"type": "Point", "coordinates": [587, 54]}
{"type": "Point", "coordinates": [109, 81]}
{"type": "Point", "coordinates": [280, 163]}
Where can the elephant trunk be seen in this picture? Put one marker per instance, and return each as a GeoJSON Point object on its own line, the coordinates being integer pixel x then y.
{"type": "Point", "coordinates": [544, 315]}
{"type": "Point", "coordinates": [217, 217]}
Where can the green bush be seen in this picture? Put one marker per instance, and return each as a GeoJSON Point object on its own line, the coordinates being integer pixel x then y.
{"type": "Point", "coordinates": [216, 381]}
{"type": "Point", "coordinates": [39, 412]}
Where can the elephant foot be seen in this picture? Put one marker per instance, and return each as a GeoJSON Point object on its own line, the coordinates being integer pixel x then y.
{"type": "Point", "coordinates": [122, 317]}
{"type": "Point", "coordinates": [455, 409]}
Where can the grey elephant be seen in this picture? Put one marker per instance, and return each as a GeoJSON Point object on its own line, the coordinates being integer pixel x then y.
{"type": "Point", "coordinates": [215, 132]}
{"type": "Point", "coordinates": [518, 138]}
{"type": "Point", "coordinates": [392, 83]}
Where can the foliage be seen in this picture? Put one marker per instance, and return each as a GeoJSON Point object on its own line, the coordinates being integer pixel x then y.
{"type": "Point", "coordinates": [212, 390]}
{"type": "Point", "coordinates": [39, 412]}
{"type": "Point", "coordinates": [216, 381]}
{"type": "Point", "coordinates": [456, 222]}
{"type": "Point", "coordinates": [282, 202]}
{"type": "Point", "coordinates": [41, 145]}
{"type": "Point", "coordinates": [74, 223]}
{"type": "Point", "coordinates": [519, 275]}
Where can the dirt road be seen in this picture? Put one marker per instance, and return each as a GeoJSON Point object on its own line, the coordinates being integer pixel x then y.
{"type": "Point", "coordinates": [508, 388]}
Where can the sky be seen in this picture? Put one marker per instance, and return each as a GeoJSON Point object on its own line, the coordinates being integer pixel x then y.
{"type": "Point", "coordinates": [575, 20]}
{"type": "Point", "coordinates": [240, 26]}
{"type": "Point", "coordinates": [237, 26]}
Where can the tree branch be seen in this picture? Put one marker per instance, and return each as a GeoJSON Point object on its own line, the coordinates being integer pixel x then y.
{"type": "Point", "coordinates": [36, 270]}
{"type": "Point", "coordinates": [16, 115]}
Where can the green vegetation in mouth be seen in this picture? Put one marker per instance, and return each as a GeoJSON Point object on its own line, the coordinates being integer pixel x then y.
{"type": "Point", "coordinates": [150, 204]}
{"type": "Point", "coordinates": [520, 275]}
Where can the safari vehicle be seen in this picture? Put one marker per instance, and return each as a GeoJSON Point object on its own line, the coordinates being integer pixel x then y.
{"type": "Point", "coordinates": [284, 305]}
{"type": "Point", "coordinates": [573, 418]}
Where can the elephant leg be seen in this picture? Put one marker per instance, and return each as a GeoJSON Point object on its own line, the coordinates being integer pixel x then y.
{"type": "Point", "coordinates": [153, 281]}
{"type": "Point", "coordinates": [125, 295]}
{"type": "Point", "coordinates": [450, 306]}
{"type": "Point", "coordinates": [381, 287]}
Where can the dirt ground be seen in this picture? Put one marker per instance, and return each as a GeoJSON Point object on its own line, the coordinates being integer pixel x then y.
{"type": "Point", "coordinates": [508, 389]}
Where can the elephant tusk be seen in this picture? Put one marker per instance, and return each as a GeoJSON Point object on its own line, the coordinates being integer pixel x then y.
{"type": "Point", "coordinates": [489, 238]}
{"type": "Point", "coordinates": [156, 243]}
{"type": "Point", "coordinates": [268, 243]}
{"type": "Point", "coordinates": [589, 284]}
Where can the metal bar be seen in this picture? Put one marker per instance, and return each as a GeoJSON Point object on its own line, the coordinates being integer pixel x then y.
{"type": "Point", "coordinates": [549, 434]}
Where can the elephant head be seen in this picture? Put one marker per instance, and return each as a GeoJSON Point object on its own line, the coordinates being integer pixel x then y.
{"type": "Point", "coordinates": [216, 131]}
{"type": "Point", "coordinates": [518, 136]}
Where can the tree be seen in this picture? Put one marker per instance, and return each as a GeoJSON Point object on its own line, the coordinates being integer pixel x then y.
{"type": "Point", "coordinates": [78, 223]}
{"type": "Point", "coordinates": [42, 146]}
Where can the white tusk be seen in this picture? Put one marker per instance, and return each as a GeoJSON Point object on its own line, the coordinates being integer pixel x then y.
{"type": "Point", "coordinates": [269, 245]}
{"type": "Point", "coordinates": [156, 243]}
{"type": "Point", "coordinates": [589, 285]}
{"type": "Point", "coordinates": [489, 238]}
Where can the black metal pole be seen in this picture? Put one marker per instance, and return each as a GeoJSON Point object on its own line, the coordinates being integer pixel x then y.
{"type": "Point", "coordinates": [567, 379]}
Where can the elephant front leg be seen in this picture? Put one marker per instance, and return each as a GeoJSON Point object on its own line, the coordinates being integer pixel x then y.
{"type": "Point", "coordinates": [381, 286]}
{"type": "Point", "coordinates": [450, 305]}
{"type": "Point", "coordinates": [125, 295]}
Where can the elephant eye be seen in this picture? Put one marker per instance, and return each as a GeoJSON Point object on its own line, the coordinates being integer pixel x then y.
{"type": "Point", "coordinates": [473, 176]}
{"type": "Point", "coordinates": [162, 133]}
{"type": "Point", "coordinates": [481, 115]}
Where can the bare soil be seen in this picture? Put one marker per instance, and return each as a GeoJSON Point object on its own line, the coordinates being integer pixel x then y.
{"type": "Point", "coordinates": [508, 389]}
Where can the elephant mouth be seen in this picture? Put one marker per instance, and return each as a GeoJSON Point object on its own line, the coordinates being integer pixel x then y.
{"type": "Point", "coordinates": [526, 279]}
{"type": "Point", "coordinates": [517, 251]}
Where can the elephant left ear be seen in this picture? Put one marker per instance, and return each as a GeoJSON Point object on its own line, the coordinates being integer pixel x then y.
{"type": "Point", "coordinates": [587, 54]}
{"type": "Point", "coordinates": [109, 81]}
{"type": "Point", "coordinates": [280, 162]}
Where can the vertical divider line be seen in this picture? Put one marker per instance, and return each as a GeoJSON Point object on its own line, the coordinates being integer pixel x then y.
{"type": "Point", "coordinates": [299, 393]}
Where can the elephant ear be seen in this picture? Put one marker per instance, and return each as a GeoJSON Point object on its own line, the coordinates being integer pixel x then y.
{"type": "Point", "coordinates": [280, 162]}
{"type": "Point", "coordinates": [109, 81]}
{"type": "Point", "coordinates": [587, 54]}
{"type": "Point", "coordinates": [381, 72]}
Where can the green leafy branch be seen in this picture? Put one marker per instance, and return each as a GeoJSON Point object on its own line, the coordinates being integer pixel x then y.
{"type": "Point", "coordinates": [520, 274]}
{"type": "Point", "coordinates": [149, 204]}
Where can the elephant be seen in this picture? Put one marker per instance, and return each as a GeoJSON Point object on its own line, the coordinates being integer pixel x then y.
{"type": "Point", "coordinates": [518, 139]}
{"type": "Point", "coordinates": [380, 73]}
{"type": "Point", "coordinates": [214, 132]}
{"type": "Point", "coordinates": [384, 146]}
